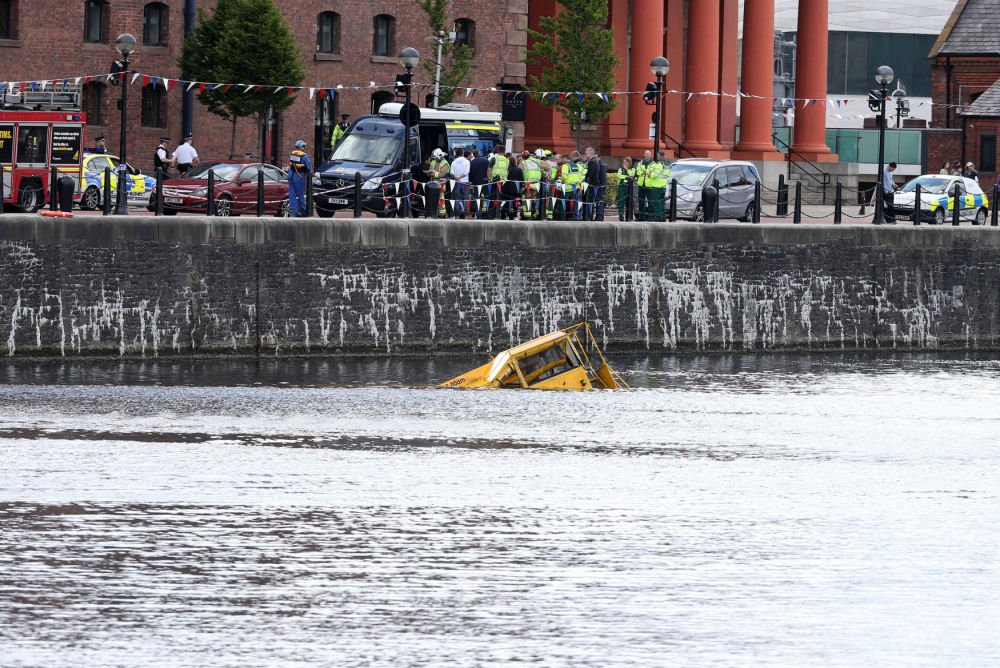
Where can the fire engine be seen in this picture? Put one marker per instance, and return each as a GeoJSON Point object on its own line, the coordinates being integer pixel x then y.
{"type": "Point", "coordinates": [39, 130]}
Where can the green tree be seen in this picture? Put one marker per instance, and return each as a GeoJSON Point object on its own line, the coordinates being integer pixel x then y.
{"type": "Point", "coordinates": [455, 58]}
{"type": "Point", "coordinates": [249, 42]}
{"type": "Point", "coordinates": [576, 52]}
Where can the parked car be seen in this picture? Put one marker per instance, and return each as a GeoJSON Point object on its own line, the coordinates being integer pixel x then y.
{"type": "Point", "coordinates": [937, 201]}
{"type": "Point", "coordinates": [734, 179]}
{"type": "Point", "coordinates": [91, 196]}
{"type": "Point", "coordinates": [235, 190]}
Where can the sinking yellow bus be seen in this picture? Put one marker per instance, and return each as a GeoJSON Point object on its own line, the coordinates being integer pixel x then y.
{"type": "Point", "coordinates": [555, 361]}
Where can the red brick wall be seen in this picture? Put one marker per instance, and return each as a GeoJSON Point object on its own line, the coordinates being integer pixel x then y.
{"type": "Point", "coordinates": [49, 45]}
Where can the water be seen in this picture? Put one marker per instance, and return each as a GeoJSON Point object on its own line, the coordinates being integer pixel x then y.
{"type": "Point", "coordinates": [797, 510]}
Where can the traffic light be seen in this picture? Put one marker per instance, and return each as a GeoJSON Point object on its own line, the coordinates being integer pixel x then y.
{"type": "Point", "coordinates": [117, 67]}
{"type": "Point", "coordinates": [649, 97]}
{"type": "Point", "coordinates": [875, 100]}
{"type": "Point", "coordinates": [402, 81]}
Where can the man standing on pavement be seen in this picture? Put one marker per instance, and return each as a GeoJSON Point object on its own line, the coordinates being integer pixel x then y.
{"type": "Point", "coordinates": [479, 170]}
{"type": "Point", "coordinates": [641, 177]}
{"type": "Point", "coordinates": [185, 156]}
{"type": "Point", "coordinates": [101, 145]}
{"type": "Point", "coordinates": [888, 190]}
{"type": "Point", "coordinates": [299, 171]}
{"type": "Point", "coordinates": [162, 159]}
{"type": "Point", "coordinates": [339, 130]}
{"type": "Point", "coordinates": [460, 174]}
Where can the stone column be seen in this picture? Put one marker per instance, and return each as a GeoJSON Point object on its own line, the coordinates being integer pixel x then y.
{"type": "Point", "coordinates": [702, 111]}
{"type": "Point", "coordinates": [757, 80]}
{"type": "Point", "coordinates": [647, 43]}
{"type": "Point", "coordinates": [810, 79]}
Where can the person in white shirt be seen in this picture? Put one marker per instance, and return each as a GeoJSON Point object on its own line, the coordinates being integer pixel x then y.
{"type": "Point", "coordinates": [460, 174]}
{"type": "Point", "coordinates": [186, 156]}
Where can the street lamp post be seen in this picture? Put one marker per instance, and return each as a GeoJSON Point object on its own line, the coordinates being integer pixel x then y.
{"type": "Point", "coordinates": [125, 45]}
{"type": "Point", "coordinates": [902, 105]}
{"type": "Point", "coordinates": [659, 67]}
{"type": "Point", "coordinates": [408, 58]}
{"type": "Point", "coordinates": [883, 76]}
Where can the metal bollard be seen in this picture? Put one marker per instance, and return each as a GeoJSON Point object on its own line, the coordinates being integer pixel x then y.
{"type": "Point", "coordinates": [357, 194]}
{"type": "Point", "coordinates": [993, 208]}
{"type": "Point", "coordinates": [916, 205]}
{"type": "Point", "coordinates": [709, 203]}
{"type": "Point", "coordinates": [107, 191]}
{"type": "Point", "coordinates": [782, 206]}
{"type": "Point", "coordinates": [53, 193]}
{"type": "Point", "coordinates": [158, 208]}
{"type": "Point", "coordinates": [957, 209]}
{"type": "Point", "coordinates": [210, 202]}
{"type": "Point", "coordinates": [260, 194]}
{"type": "Point", "coordinates": [432, 198]}
{"type": "Point", "coordinates": [672, 214]}
{"type": "Point", "coordinates": [309, 195]}
{"type": "Point", "coordinates": [630, 201]}
{"type": "Point", "coordinates": [2, 188]}
{"type": "Point", "coordinates": [797, 214]}
{"type": "Point", "coordinates": [838, 212]}
{"type": "Point", "coordinates": [756, 202]}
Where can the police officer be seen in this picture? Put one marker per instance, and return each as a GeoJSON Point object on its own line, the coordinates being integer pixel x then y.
{"type": "Point", "coordinates": [571, 173]}
{"type": "Point", "coordinates": [532, 178]}
{"type": "Point", "coordinates": [299, 170]}
{"type": "Point", "coordinates": [161, 158]}
{"type": "Point", "coordinates": [339, 130]}
{"type": "Point", "coordinates": [657, 175]}
{"type": "Point", "coordinates": [626, 177]}
{"type": "Point", "coordinates": [101, 145]}
{"type": "Point", "coordinates": [641, 178]}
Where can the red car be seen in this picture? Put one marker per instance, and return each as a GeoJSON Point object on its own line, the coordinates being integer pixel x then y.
{"type": "Point", "coordinates": [235, 190]}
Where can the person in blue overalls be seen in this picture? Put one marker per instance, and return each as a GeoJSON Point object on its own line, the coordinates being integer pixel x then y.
{"type": "Point", "coordinates": [299, 169]}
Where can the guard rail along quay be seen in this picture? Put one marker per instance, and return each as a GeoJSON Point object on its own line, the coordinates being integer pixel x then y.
{"type": "Point", "coordinates": [128, 286]}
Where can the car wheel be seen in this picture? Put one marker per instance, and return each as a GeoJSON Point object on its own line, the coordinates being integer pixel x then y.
{"type": "Point", "coordinates": [939, 217]}
{"type": "Point", "coordinates": [224, 206]}
{"type": "Point", "coordinates": [699, 214]}
{"type": "Point", "coordinates": [748, 216]}
{"type": "Point", "coordinates": [91, 199]}
{"type": "Point", "coordinates": [980, 217]}
{"type": "Point", "coordinates": [284, 210]}
{"type": "Point", "coordinates": [29, 198]}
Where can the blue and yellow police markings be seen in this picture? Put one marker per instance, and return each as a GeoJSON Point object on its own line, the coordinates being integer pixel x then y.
{"type": "Point", "coordinates": [138, 185]}
{"type": "Point", "coordinates": [968, 202]}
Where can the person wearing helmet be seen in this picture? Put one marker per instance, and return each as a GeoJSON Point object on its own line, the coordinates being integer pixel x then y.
{"type": "Point", "coordinates": [439, 170]}
{"type": "Point", "coordinates": [299, 170]}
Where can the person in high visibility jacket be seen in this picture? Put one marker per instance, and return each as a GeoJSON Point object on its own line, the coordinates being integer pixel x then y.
{"type": "Point", "coordinates": [657, 176]}
{"type": "Point", "coordinates": [439, 170]}
{"type": "Point", "coordinates": [339, 130]}
{"type": "Point", "coordinates": [641, 176]}
{"type": "Point", "coordinates": [299, 171]}
{"type": "Point", "coordinates": [572, 174]}
{"type": "Point", "coordinates": [532, 182]}
{"type": "Point", "coordinates": [626, 178]}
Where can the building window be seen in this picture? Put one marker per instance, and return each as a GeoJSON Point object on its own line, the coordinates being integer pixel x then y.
{"type": "Point", "coordinates": [385, 29]}
{"type": "Point", "coordinates": [8, 11]}
{"type": "Point", "coordinates": [94, 20]}
{"type": "Point", "coordinates": [465, 32]}
{"type": "Point", "coordinates": [154, 25]}
{"type": "Point", "coordinates": [154, 108]}
{"type": "Point", "coordinates": [328, 33]}
{"type": "Point", "coordinates": [988, 153]}
{"type": "Point", "coordinates": [93, 102]}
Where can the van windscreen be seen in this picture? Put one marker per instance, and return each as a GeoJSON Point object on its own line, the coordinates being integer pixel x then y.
{"type": "Point", "coordinates": [372, 149]}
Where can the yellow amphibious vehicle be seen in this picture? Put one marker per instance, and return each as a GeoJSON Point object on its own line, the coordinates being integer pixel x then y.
{"type": "Point", "coordinates": [556, 361]}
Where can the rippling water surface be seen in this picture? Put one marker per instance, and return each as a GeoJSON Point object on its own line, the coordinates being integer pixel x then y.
{"type": "Point", "coordinates": [799, 510]}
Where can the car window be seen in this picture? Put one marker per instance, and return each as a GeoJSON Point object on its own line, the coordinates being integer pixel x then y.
{"type": "Point", "coordinates": [98, 164]}
{"type": "Point", "coordinates": [750, 174]}
{"type": "Point", "coordinates": [961, 188]}
{"type": "Point", "coordinates": [735, 175]}
{"type": "Point", "coordinates": [272, 173]}
{"type": "Point", "coordinates": [250, 173]}
{"type": "Point", "coordinates": [721, 177]}
{"type": "Point", "coordinates": [972, 187]}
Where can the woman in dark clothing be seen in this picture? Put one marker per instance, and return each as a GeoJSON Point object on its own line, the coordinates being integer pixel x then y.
{"type": "Point", "coordinates": [511, 191]}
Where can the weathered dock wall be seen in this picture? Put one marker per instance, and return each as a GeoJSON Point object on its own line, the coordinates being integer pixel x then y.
{"type": "Point", "coordinates": [143, 286]}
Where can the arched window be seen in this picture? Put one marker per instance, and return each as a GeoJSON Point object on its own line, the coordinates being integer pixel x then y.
{"type": "Point", "coordinates": [465, 32]}
{"type": "Point", "coordinates": [154, 24]}
{"type": "Point", "coordinates": [385, 36]}
{"type": "Point", "coordinates": [95, 20]}
{"type": "Point", "coordinates": [8, 16]}
{"type": "Point", "coordinates": [154, 107]}
{"type": "Point", "coordinates": [93, 102]}
{"type": "Point", "coordinates": [328, 33]}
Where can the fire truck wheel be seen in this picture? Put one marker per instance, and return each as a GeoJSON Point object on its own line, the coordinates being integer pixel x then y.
{"type": "Point", "coordinates": [29, 199]}
{"type": "Point", "coordinates": [91, 199]}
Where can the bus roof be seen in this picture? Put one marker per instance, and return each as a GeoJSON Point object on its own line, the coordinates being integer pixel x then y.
{"type": "Point", "coordinates": [392, 109]}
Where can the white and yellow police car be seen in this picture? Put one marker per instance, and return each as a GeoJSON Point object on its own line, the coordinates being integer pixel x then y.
{"type": "Point", "coordinates": [937, 199]}
{"type": "Point", "coordinates": [92, 189]}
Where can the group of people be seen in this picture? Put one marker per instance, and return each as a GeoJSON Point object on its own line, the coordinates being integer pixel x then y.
{"type": "Point", "coordinates": [526, 185]}
{"type": "Point", "coordinates": [184, 157]}
{"type": "Point", "coordinates": [644, 185]}
{"type": "Point", "coordinates": [955, 169]}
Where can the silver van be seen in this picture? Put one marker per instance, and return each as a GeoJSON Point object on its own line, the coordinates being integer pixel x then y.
{"type": "Point", "coordinates": [734, 179]}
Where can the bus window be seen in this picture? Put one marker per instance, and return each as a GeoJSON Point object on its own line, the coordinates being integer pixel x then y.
{"type": "Point", "coordinates": [32, 144]}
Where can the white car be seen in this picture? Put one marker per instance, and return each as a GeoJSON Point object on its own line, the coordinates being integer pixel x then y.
{"type": "Point", "coordinates": [937, 201]}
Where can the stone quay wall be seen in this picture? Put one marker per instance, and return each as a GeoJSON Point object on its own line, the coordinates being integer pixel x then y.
{"type": "Point", "coordinates": [146, 287]}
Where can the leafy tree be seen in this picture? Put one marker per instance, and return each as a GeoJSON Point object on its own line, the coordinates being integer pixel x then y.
{"type": "Point", "coordinates": [455, 58]}
{"type": "Point", "coordinates": [243, 41]}
{"type": "Point", "coordinates": [576, 52]}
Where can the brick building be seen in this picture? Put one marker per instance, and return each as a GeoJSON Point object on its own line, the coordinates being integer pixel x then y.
{"type": "Point", "coordinates": [340, 45]}
{"type": "Point", "coordinates": [965, 79]}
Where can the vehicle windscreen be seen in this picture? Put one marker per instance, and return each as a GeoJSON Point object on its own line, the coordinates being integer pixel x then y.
{"type": "Point", "coordinates": [371, 149]}
{"type": "Point", "coordinates": [222, 171]}
{"type": "Point", "coordinates": [932, 185]}
{"type": "Point", "coordinates": [689, 175]}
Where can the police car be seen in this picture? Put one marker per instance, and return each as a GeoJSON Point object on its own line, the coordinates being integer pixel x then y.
{"type": "Point", "coordinates": [937, 199]}
{"type": "Point", "coordinates": [92, 189]}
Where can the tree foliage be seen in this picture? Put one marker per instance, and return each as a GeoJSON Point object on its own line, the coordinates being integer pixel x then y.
{"type": "Point", "coordinates": [576, 52]}
{"type": "Point", "coordinates": [243, 41]}
{"type": "Point", "coordinates": [455, 58]}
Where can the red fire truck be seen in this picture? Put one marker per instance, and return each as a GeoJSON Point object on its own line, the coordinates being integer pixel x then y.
{"type": "Point", "coordinates": [39, 130]}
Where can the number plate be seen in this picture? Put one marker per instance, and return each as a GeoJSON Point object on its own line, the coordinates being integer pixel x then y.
{"type": "Point", "coordinates": [173, 200]}
{"type": "Point", "coordinates": [336, 200]}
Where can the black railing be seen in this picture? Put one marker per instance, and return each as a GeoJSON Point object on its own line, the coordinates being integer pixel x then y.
{"type": "Point", "coordinates": [821, 178]}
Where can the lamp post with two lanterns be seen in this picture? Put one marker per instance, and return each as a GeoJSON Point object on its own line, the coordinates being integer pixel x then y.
{"type": "Point", "coordinates": [660, 66]}
{"type": "Point", "coordinates": [876, 102]}
{"type": "Point", "coordinates": [125, 45]}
